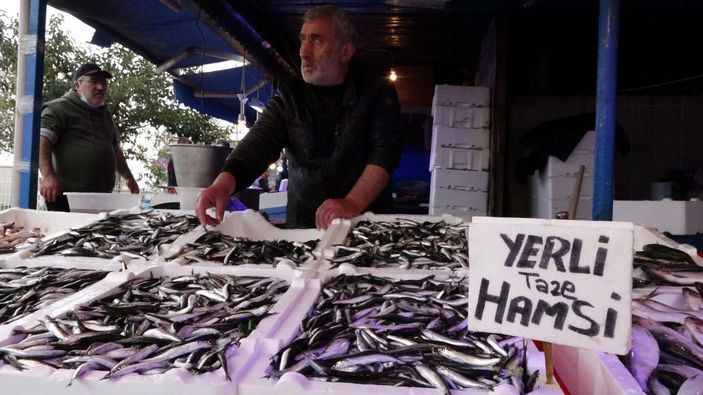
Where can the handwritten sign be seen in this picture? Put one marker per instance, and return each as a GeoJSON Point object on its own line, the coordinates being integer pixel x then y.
{"type": "Point", "coordinates": [565, 282]}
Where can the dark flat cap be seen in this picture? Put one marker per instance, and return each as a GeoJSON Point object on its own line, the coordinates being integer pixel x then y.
{"type": "Point", "coordinates": [88, 69]}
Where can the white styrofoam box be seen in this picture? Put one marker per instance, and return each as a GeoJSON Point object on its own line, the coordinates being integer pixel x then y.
{"type": "Point", "coordinates": [460, 158]}
{"type": "Point", "coordinates": [339, 230]}
{"type": "Point", "coordinates": [645, 235]}
{"type": "Point", "coordinates": [679, 217]}
{"type": "Point", "coordinates": [588, 372]}
{"type": "Point", "coordinates": [274, 204]}
{"type": "Point", "coordinates": [548, 208]}
{"type": "Point", "coordinates": [587, 143]}
{"type": "Point", "coordinates": [461, 180]}
{"type": "Point", "coordinates": [556, 168]}
{"type": "Point", "coordinates": [560, 187]}
{"type": "Point", "coordinates": [448, 137]}
{"type": "Point", "coordinates": [94, 202]}
{"type": "Point", "coordinates": [255, 383]}
{"type": "Point", "coordinates": [457, 95]}
{"type": "Point", "coordinates": [462, 117]}
{"type": "Point", "coordinates": [255, 380]}
{"type": "Point", "coordinates": [60, 306]}
{"type": "Point", "coordinates": [459, 211]}
{"type": "Point", "coordinates": [443, 197]}
{"type": "Point", "coordinates": [47, 221]}
{"type": "Point", "coordinates": [40, 380]}
{"type": "Point", "coordinates": [252, 225]}
{"type": "Point", "coordinates": [117, 263]}
{"type": "Point", "coordinates": [273, 200]}
{"type": "Point", "coordinates": [186, 197]}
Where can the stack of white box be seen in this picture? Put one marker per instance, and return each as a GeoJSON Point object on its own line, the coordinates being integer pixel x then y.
{"type": "Point", "coordinates": [552, 190]}
{"type": "Point", "coordinates": [460, 154]}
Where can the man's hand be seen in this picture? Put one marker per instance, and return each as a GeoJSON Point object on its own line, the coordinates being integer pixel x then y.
{"type": "Point", "coordinates": [132, 185]}
{"type": "Point", "coordinates": [216, 195]}
{"type": "Point", "coordinates": [49, 188]}
{"type": "Point", "coordinates": [336, 208]}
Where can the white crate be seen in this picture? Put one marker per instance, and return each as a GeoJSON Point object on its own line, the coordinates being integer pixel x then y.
{"type": "Point", "coordinates": [342, 228]}
{"type": "Point", "coordinates": [89, 202]}
{"type": "Point", "coordinates": [560, 187]}
{"type": "Point", "coordinates": [447, 137]}
{"type": "Point", "coordinates": [255, 380]}
{"type": "Point", "coordinates": [48, 222]}
{"type": "Point", "coordinates": [451, 198]}
{"type": "Point", "coordinates": [587, 143]}
{"type": "Point", "coordinates": [462, 117]}
{"type": "Point", "coordinates": [461, 180]}
{"type": "Point", "coordinates": [679, 217]}
{"type": "Point", "coordinates": [460, 158]}
{"type": "Point", "coordinates": [588, 372]}
{"type": "Point", "coordinates": [252, 225]}
{"type": "Point", "coordinates": [291, 307]}
{"type": "Point", "coordinates": [459, 211]}
{"type": "Point", "coordinates": [456, 95]}
{"type": "Point", "coordinates": [556, 168]}
{"type": "Point", "coordinates": [548, 208]}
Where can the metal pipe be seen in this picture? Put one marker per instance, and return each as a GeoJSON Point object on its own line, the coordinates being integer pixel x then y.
{"type": "Point", "coordinates": [30, 72]}
{"type": "Point", "coordinates": [606, 96]}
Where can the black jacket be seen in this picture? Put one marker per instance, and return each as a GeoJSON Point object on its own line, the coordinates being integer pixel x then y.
{"type": "Point", "coordinates": [327, 151]}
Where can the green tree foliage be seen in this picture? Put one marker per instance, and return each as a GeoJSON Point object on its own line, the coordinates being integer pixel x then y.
{"type": "Point", "coordinates": [142, 101]}
{"type": "Point", "coordinates": [8, 63]}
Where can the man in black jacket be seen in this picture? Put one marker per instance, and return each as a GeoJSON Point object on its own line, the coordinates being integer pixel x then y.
{"type": "Point", "coordinates": [340, 128]}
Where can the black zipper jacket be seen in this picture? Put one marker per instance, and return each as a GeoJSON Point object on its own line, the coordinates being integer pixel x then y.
{"type": "Point", "coordinates": [327, 150]}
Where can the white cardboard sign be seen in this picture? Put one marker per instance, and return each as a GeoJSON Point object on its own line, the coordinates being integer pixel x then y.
{"type": "Point", "coordinates": [565, 282]}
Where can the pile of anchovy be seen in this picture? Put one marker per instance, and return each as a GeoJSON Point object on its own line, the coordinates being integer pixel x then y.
{"type": "Point", "coordinates": [658, 264]}
{"type": "Point", "coordinates": [12, 235]}
{"type": "Point", "coordinates": [214, 246]}
{"type": "Point", "coordinates": [150, 326]}
{"type": "Point", "coordinates": [26, 290]}
{"type": "Point", "coordinates": [666, 356]}
{"type": "Point", "coordinates": [375, 330]}
{"type": "Point", "coordinates": [135, 235]}
{"type": "Point", "coordinates": [404, 244]}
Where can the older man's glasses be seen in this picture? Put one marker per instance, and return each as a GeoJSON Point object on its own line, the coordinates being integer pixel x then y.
{"type": "Point", "coordinates": [94, 81]}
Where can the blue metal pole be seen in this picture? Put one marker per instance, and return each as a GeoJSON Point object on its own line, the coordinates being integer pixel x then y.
{"type": "Point", "coordinates": [30, 74]}
{"type": "Point", "coordinates": [606, 96]}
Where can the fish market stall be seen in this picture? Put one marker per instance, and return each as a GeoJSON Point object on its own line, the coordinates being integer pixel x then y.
{"type": "Point", "coordinates": [377, 303]}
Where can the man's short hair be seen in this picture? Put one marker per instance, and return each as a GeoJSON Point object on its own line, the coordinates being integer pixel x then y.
{"type": "Point", "coordinates": [343, 24]}
{"type": "Point", "coordinates": [89, 69]}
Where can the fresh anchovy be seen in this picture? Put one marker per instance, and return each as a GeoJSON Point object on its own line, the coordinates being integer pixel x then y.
{"type": "Point", "coordinates": [692, 386]}
{"type": "Point", "coordinates": [214, 246]}
{"type": "Point", "coordinates": [12, 235]}
{"type": "Point", "coordinates": [129, 234]}
{"type": "Point", "coordinates": [643, 356]}
{"type": "Point", "coordinates": [25, 290]}
{"type": "Point", "coordinates": [695, 328]}
{"type": "Point", "coordinates": [398, 341]}
{"type": "Point", "coordinates": [679, 277]}
{"type": "Point", "coordinates": [460, 379]}
{"type": "Point", "coordinates": [693, 299]}
{"type": "Point", "coordinates": [672, 341]}
{"type": "Point", "coordinates": [433, 378]}
{"type": "Point", "coordinates": [404, 244]}
{"type": "Point", "coordinates": [146, 336]}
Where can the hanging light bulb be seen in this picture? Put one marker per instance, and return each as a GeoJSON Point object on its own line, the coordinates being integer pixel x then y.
{"type": "Point", "coordinates": [393, 76]}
